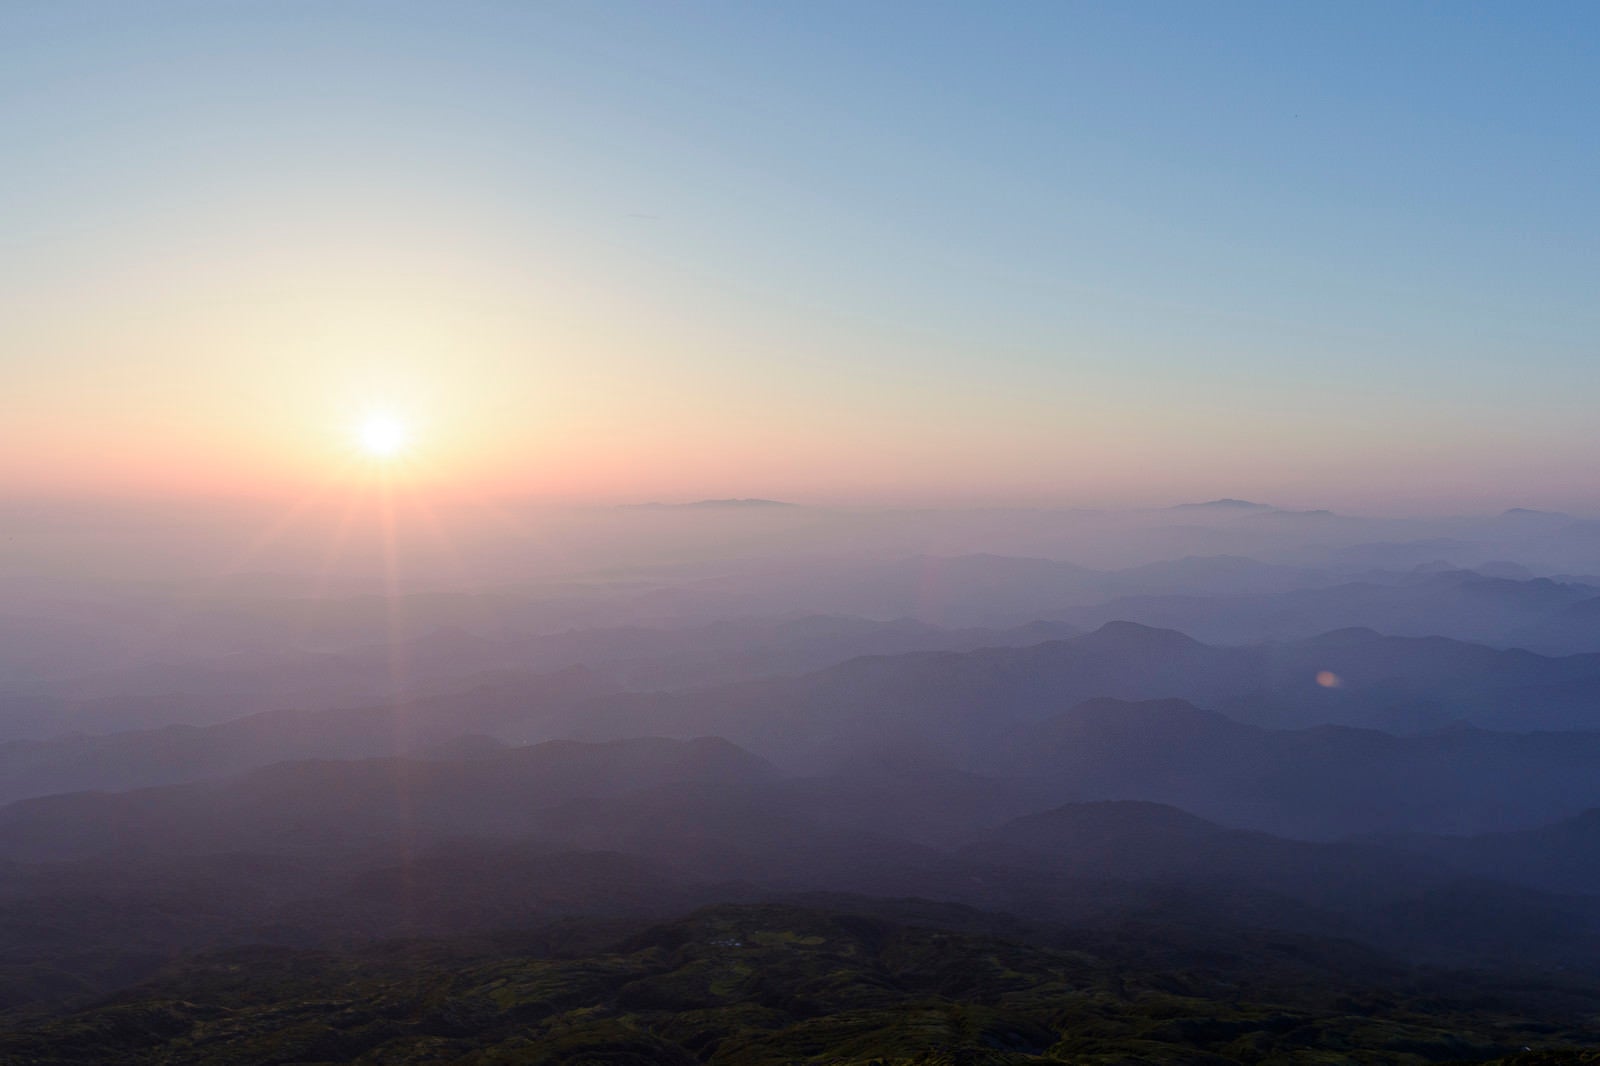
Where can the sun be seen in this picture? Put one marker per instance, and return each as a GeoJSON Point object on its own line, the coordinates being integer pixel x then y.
{"type": "Point", "coordinates": [382, 435]}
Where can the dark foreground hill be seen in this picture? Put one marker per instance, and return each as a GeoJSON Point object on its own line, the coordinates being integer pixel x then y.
{"type": "Point", "coordinates": [769, 985]}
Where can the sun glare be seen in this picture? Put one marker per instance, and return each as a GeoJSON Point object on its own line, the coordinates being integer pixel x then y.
{"type": "Point", "coordinates": [383, 436]}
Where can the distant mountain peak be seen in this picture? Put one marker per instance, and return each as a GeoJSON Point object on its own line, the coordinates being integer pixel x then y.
{"type": "Point", "coordinates": [1227, 503]}
{"type": "Point", "coordinates": [1343, 637]}
{"type": "Point", "coordinates": [1123, 637]}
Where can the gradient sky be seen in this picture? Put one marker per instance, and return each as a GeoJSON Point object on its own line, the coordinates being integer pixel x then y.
{"type": "Point", "coordinates": [1038, 253]}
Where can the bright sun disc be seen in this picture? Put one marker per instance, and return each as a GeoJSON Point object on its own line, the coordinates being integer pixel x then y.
{"type": "Point", "coordinates": [382, 436]}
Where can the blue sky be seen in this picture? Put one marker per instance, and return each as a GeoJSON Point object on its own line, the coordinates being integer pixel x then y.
{"type": "Point", "coordinates": [1275, 244]}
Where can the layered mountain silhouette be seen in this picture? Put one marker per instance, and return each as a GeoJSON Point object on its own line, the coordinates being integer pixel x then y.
{"type": "Point", "coordinates": [443, 661]}
{"type": "Point", "coordinates": [1538, 614]}
{"type": "Point", "coordinates": [1124, 712]}
{"type": "Point", "coordinates": [304, 851]}
{"type": "Point", "coordinates": [959, 707]}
